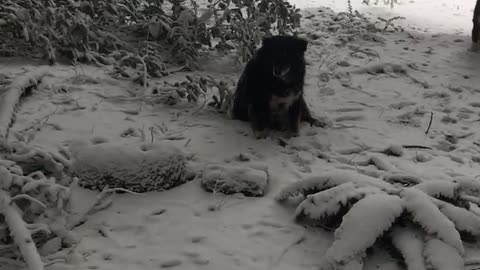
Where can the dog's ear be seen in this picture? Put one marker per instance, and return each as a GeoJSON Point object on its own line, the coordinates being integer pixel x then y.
{"type": "Point", "coordinates": [302, 44]}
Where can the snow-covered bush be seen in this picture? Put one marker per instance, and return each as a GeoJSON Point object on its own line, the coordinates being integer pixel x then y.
{"type": "Point", "coordinates": [136, 167]}
{"type": "Point", "coordinates": [32, 215]}
{"type": "Point", "coordinates": [228, 179]}
{"type": "Point", "coordinates": [133, 33]}
{"type": "Point", "coordinates": [391, 3]}
{"type": "Point", "coordinates": [425, 222]}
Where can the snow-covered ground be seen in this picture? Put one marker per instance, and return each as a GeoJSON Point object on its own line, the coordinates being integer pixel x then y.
{"type": "Point", "coordinates": [428, 72]}
{"type": "Point", "coordinates": [425, 15]}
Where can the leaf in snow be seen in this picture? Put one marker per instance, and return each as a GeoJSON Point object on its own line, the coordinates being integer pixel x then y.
{"type": "Point", "coordinates": [206, 15]}
{"type": "Point", "coordinates": [154, 29]}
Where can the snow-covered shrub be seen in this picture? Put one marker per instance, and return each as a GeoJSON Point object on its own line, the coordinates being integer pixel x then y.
{"type": "Point", "coordinates": [425, 222]}
{"type": "Point", "coordinates": [32, 215]}
{"type": "Point", "coordinates": [136, 167]}
{"type": "Point", "coordinates": [391, 3]}
{"type": "Point", "coordinates": [135, 33]}
{"type": "Point", "coordinates": [229, 179]}
{"type": "Point", "coordinates": [35, 158]}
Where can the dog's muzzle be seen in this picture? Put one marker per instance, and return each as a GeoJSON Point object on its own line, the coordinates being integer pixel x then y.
{"type": "Point", "coordinates": [281, 72]}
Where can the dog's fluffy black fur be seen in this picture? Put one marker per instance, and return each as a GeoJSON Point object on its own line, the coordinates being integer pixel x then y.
{"type": "Point", "coordinates": [269, 93]}
{"type": "Point", "coordinates": [476, 26]}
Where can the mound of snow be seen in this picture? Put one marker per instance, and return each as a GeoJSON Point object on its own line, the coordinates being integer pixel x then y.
{"type": "Point", "coordinates": [229, 179]}
{"type": "Point", "coordinates": [329, 202]}
{"type": "Point", "coordinates": [327, 180]}
{"type": "Point", "coordinates": [409, 241]}
{"type": "Point", "coordinates": [361, 226]}
{"type": "Point", "coordinates": [442, 256]}
{"type": "Point", "coordinates": [136, 167]}
{"type": "Point", "coordinates": [425, 213]}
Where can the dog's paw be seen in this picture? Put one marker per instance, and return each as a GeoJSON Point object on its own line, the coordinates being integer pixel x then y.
{"type": "Point", "coordinates": [292, 134]}
{"type": "Point", "coordinates": [320, 122]}
{"type": "Point", "coordinates": [475, 47]}
{"type": "Point", "coordinates": [261, 134]}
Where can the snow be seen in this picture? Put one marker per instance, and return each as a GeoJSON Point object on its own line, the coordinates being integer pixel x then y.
{"type": "Point", "coordinates": [176, 228]}
{"type": "Point", "coordinates": [329, 202]}
{"type": "Point", "coordinates": [448, 189]}
{"type": "Point", "coordinates": [465, 221]}
{"type": "Point", "coordinates": [409, 241]}
{"type": "Point", "coordinates": [361, 226]}
{"type": "Point", "coordinates": [10, 97]}
{"type": "Point", "coordinates": [439, 255]}
{"type": "Point", "coordinates": [468, 185]}
{"type": "Point", "coordinates": [430, 218]}
{"type": "Point", "coordinates": [328, 180]}
{"type": "Point", "coordinates": [443, 16]}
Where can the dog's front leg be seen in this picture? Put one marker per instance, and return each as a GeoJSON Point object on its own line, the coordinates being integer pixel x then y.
{"type": "Point", "coordinates": [476, 28]}
{"type": "Point", "coordinates": [294, 117]}
{"type": "Point", "coordinates": [259, 115]}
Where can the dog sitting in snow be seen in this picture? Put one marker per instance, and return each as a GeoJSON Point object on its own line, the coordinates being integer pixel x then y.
{"type": "Point", "coordinates": [476, 27]}
{"type": "Point", "coordinates": [269, 93]}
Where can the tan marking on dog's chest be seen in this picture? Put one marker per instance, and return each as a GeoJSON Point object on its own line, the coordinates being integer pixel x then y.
{"type": "Point", "coordinates": [282, 103]}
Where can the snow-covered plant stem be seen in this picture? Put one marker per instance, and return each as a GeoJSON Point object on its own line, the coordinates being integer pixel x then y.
{"type": "Point", "coordinates": [19, 231]}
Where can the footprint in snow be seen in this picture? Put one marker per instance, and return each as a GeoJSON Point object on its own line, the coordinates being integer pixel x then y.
{"type": "Point", "coordinates": [345, 118]}
{"type": "Point", "coordinates": [170, 263]}
{"type": "Point", "coordinates": [196, 258]}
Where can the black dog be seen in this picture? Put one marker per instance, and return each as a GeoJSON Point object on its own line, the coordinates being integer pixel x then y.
{"type": "Point", "coordinates": [476, 27]}
{"type": "Point", "coordinates": [270, 91]}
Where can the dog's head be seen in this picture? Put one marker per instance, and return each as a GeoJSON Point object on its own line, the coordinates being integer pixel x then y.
{"type": "Point", "coordinates": [285, 56]}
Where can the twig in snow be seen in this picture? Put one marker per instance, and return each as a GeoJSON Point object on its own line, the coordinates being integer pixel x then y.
{"type": "Point", "coordinates": [388, 22]}
{"type": "Point", "coordinates": [152, 135]}
{"type": "Point", "coordinates": [145, 71]}
{"type": "Point", "coordinates": [416, 147]}
{"type": "Point", "coordinates": [35, 228]}
{"type": "Point", "coordinates": [297, 242]}
{"type": "Point", "coordinates": [475, 262]}
{"type": "Point", "coordinates": [7, 261]}
{"type": "Point", "coordinates": [40, 121]}
{"type": "Point", "coordinates": [55, 261]}
{"type": "Point", "coordinates": [6, 246]}
{"type": "Point", "coordinates": [25, 196]}
{"type": "Point", "coordinates": [110, 190]}
{"type": "Point", "coordinates": [103, 201]}
{"type": "Point", "coordinates": [204, 104]}
{"type": "Point", "coordinates": [430, 123]}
